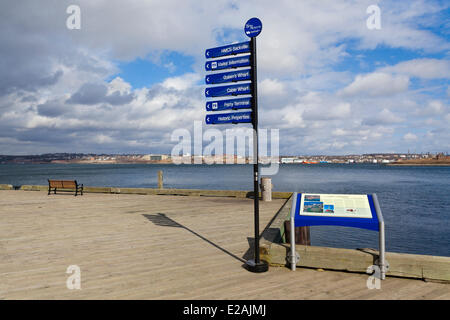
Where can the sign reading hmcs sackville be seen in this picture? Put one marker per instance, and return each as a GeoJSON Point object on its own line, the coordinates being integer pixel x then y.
{"type": "Point", "coordinates": [240, 71]}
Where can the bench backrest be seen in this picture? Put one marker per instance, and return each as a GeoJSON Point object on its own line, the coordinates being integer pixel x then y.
{"type": "Point", "coordinates": [62, 183]}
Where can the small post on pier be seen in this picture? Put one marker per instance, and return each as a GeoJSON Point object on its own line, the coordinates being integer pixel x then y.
{"type": "Point", "coordinates": [302, 235]}
{"type": "Point", "coordinates": [160, 179]}
{"type": "Point", "coordinates": [266, 189]}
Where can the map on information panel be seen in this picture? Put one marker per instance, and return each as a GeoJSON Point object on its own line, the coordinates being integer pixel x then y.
{"type": "Point", "coordinates": [335, 205]}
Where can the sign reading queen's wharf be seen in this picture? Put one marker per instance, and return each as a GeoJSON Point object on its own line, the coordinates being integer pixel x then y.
{"type": "Point", "coordinates": [240, 69]}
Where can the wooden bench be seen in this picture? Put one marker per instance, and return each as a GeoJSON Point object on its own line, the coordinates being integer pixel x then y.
{"type": "Point", "coordinates": [65, 185]}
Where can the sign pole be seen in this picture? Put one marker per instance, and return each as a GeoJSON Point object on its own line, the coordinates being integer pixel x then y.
{"type": "Point", "coordinates": [252, 29]}
{"type": "Point", "coordinates": [255, 265]}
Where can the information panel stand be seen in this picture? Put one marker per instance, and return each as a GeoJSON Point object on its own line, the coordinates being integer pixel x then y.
{"type": "Point", "coordinates": [357, 211]}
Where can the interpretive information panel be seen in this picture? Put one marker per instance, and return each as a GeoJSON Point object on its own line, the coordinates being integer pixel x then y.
{"type": "Point", "coordinates": [335, 205]}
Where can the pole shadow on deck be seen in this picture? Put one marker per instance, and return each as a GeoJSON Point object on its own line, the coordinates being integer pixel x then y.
{"type": "Point", "coordinates": [160, 219]}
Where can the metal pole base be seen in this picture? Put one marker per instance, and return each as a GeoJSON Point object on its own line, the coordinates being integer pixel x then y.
{"type": "Point", "coordinates": [263, 266]}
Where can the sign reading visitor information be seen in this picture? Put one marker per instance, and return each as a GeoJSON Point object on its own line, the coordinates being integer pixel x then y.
{"type": "Point", "coordinates": [229, 63]}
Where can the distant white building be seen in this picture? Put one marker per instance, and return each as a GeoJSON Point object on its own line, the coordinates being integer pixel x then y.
{"type": "Point", "coordinates": [155, 157]}
{"type": "Point", "coordinates": [287, 160]}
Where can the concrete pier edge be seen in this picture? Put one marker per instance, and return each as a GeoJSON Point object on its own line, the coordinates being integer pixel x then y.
{"type": "Point", "coordinates": [156, 191]}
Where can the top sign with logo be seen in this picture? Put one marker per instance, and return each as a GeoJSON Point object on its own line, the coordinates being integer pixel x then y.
{"type": "Point", "coordinates": [253, 27]}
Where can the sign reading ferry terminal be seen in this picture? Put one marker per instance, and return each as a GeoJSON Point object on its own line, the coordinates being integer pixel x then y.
{"type": "Point", "coordinates": [233, 104]}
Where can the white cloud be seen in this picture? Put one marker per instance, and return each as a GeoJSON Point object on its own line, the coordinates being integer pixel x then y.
{"type": "Point", "coordinates": [433, 108]}
{"type": "Point", "coordinates": [421, 68]}
{"type": "Point", "coordinates": [327, 112]}
{"type": "Point", "coordinates": [181, 82]}
{"type": "Point", "coordinates": [376, 84]}
{"type": "Point", "coordinates": [271, 87]}
{"type": "Point", "coordinates": [119, 85]}
{"type": "Point", "coordinates": [385, 117]}
{"type": "Point", "coordinates": [410, 137]}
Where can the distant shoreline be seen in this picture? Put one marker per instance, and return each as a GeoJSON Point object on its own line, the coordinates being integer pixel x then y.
{"type": "Point", "coordinates": [441, 161]}
{"type": "Point", "coordinates": [419, 164]}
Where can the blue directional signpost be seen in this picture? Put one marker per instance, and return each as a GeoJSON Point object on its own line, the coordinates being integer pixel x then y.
{"type": "Point", "coordinates": [243, 67]}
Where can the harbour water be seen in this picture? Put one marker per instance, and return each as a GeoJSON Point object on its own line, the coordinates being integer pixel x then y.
{"type": "Point", "coordinates": [415, 200]}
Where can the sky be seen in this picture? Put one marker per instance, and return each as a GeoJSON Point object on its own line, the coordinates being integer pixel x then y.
{"type": "Point", "coordinates": [133, 73]}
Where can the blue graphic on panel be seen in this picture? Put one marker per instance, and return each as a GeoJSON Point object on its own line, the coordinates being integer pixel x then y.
{"type": "Point", "coordinates": [233, 76]}
{"type": "Point", "coordinates": [236, 48]}
{"type": "Point", "coordinates": [222, 118]}
{"type": "Point", "coordinates": [230, 90]}
{"type": "Point", "coordinates": [228, 63]}
{"type": "Point", "coordinates": [241, 103]}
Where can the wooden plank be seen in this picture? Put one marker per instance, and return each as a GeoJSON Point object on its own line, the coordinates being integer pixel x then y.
{"type": "Point", "coordinates": [132, 246]}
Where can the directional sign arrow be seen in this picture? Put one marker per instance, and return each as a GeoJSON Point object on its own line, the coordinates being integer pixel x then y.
{"type": "Point", "coordinates": [233, 76]}
{"type": "Point", "coordinates": [228, 63]}
{"type": "Point", "coordinates": [232, 90]}
{"type": "Point", "coordinates": [223, 118]}
{"type": "Point", "coordinates": [219, 105]}
{"type": "Point", "coordinates": [228, 50]}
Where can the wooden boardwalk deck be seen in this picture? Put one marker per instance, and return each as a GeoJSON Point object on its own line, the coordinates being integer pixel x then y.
{"type": "Point", "coordinates": [158, 247]}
